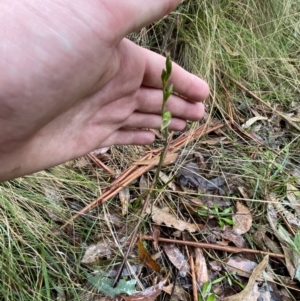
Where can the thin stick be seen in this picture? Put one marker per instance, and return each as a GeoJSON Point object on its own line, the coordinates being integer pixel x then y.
{"type": "Point", "coordinates": [212, 246]}
{"type": "Point", "coordinates": [101, 164]}
{"type": "Point", "coordinates": [193, 273]}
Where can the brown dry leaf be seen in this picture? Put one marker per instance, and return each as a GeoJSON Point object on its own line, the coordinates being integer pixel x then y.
{"type": "Point", "coordinates": [242, 219]}
{"type": "Point", "coordinates": [200, 268]}
{"type": "Point", "coordinates": [124, 196]}
{"type": "Point", "coordinates": [160, 217]}
{"type": "Point", "coordinates": [146, 258]}
{"type": "Point", "coordinates": [166, 179]}
{"type": "Point", "coordinates": [169, 159]}
{"type": "Point", "coordinates": [291, 218]}
{"type": "Point", "coordinates": [243, 193]}
{"type": "Point", "coordinates": [94, 252]}
{"type": "Point", "coordinates": [243, 267]}
{"type": "Point", "coordinates": [169, 289]}
{"type": "Point", "coordinates": [149, 294]}
{"type": "Point", "coordinates": [229, 234]}
{"type": "Point", "coordinates": [156, 235]}
{"type": "Point", "coordinates": [177, 258]}
{"type": "Point", "coordinates": [251, 292]}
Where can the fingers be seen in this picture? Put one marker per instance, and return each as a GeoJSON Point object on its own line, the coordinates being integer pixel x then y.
{"type": "Point", "coordinates": [150, 101]}
{"type": "Point", "coordinates": [185, 84]}
{"type": "Point", "coordinates": [129, 137]}
{"type": "Point", "coordinates": [131, 15]}
{"type": "Point", "coordinates": [140, 121]}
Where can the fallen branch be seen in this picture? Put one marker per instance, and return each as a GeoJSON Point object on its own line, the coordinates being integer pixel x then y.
{"type": "Point", "coordinates": [212, 246]}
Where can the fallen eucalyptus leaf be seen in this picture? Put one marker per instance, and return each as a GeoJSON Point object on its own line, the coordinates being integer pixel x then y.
{"type": "Point", "coordinates": [146, 258]}
{"type": "Point", "coordinates": [177, 258]}
{"type": "Point", "coordinates": [200, 268]}
{"type": "Point", "coordinates": [242, 219]}
{"type": "Point", "coordinates": [160, 217]}
{"type": "Point", "coordinates": [251, 291]}
{"type": "Point", "coordinates": [149, 294]}
{"type": "Point", "coordinates": [241, 266]}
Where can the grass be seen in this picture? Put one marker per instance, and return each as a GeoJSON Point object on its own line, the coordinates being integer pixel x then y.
{"type": "Point", "coordinates": [256, 43]}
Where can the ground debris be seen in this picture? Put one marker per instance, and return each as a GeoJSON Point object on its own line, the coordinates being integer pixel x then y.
{"type": "Point", "coordinates": [177, 258]}
{"type": "Point", "coordinates": [160, 217]}
{"type": "Point", "coordinates": [242, 219]}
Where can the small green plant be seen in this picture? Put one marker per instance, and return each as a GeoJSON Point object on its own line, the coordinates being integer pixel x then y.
{"type": "Point", "coordinates": [205, 294]}
{"type": "Point", "coordinates": [166, 115]}
{"type": "Point", "coordinates": [220, 215]}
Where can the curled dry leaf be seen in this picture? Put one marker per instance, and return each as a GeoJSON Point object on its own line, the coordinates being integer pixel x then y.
{"type": "Point", "coordinates": [146, 258]}
{"type": "Point", "coordinates": [251, 291]}
{"type": "Point", "coordinates": [160, 217]}
{"type": "Point", "coordinates": [149, 294]}
{"type": "Point", "coordinates": [177, 258]}
{"type": "Point", "coordinates": [94, 252]}
{"type": "Point", "coordinates": [200, 268]}
{"type": "Point", "coordinates": [242, 219]}
{"type": "Point", "coordinates": [124, 196]}
{"type": "Point", "coordinates": [252, 121]}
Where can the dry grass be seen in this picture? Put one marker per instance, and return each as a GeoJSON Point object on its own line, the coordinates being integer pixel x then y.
{"type": "Point", "coordinates": [254, 42]}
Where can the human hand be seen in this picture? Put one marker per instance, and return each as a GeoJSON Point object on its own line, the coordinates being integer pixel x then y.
{"type": "Point", "coordinates": [72, 83]}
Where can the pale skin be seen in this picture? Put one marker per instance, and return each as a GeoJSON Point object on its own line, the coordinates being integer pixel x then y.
{"type": "Point", "coordinates": [71, 83]}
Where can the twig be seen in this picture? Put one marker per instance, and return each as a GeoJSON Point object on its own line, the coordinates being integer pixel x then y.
{"type": "Point", "coordinates": [212, 246]}
{"type": "Point", "coordinates": [101, 164]}
{"type": "Point", "coordinates": [193, 273]}
{"type": "Point", "coordinates": [241, 86]}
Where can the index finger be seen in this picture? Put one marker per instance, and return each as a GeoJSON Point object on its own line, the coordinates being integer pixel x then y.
{"type": "Point", "coordinates": [185, 83]}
